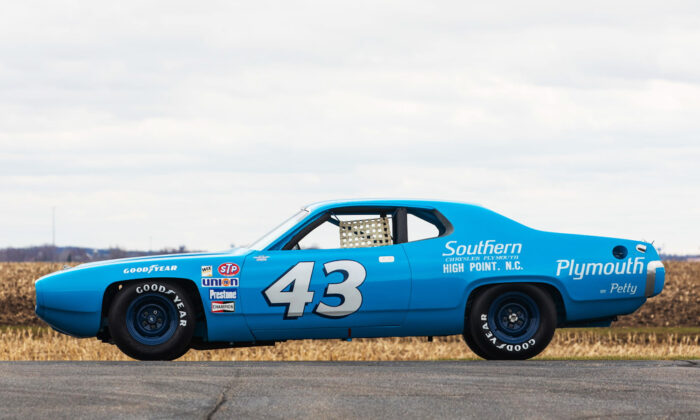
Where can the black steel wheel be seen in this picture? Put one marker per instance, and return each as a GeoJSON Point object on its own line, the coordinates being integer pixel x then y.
{"type": "Point", "coordinates": [152, 320]}
{"type": "Point", "coordinates": [511, 322]}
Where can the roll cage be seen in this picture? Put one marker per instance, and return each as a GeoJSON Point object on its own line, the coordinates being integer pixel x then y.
{"type": "Point", "coordinates": [399, 217]}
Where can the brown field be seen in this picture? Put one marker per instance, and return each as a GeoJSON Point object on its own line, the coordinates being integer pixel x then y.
{"type": "Point", "coordinates": [39, 343]}
{"type": "Point", "coordinates": [677, 306]}
{"type": "Point", "coordinates": [17, 291]}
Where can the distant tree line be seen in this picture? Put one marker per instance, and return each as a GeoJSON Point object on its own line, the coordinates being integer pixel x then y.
{"type": "Point", "coordinates": [48, 253]}
{"type": "Point", "coordinates": [677, 257]}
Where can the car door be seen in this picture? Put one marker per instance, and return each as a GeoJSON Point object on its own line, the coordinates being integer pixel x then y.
{"type": "Point", "coordinates": [316, 293]}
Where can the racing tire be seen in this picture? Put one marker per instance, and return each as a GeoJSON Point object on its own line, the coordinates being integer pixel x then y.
{"type": "Point", "coordinates": [511, 322]}
{"type": "Point", "coordinates": [471, 343]}
{"type": "Point", "coordinates": [152, 320]}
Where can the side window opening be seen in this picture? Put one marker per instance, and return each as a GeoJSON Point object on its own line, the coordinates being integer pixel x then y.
{"type": "Point", "coordinates": [324, 236]}
{"type": "Point", "coordinates": [419, 229]}
{"type": "Point", "coordinates": [350, 231]}
{"type": "Point", "coordinates": [365, 233]}
{"type": "Point", "coordinates": [370, 227]}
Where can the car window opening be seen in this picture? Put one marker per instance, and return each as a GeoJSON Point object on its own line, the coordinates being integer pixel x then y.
{"type": "Point", "coordinates": [365, 233]}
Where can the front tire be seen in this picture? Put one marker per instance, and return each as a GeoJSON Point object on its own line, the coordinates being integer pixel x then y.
{"type": "Point", "coordinates": [152, 320]}
{"type": "Point", "coordinates": [511, 322]}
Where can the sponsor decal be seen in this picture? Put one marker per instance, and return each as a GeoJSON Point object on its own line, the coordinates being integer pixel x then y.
{"type": "Point", "coordinates": [488, 247]}
{"type": "Point", "coordinates": [207, 271]}
{"type": "Point", "coordinates": [220, 307]}
{"type": "Point", "coordinates": [488, 255]}
{"type": "Point", "coordinates": [220, 282]}
{"type": "Point", "coordinates": [261, 258]}
{"type": "Point", "coordinates": [623, 289]}
{"type": "Point", "coordinates": [225, 294]}
{"type": "Point", "coordinates": [160, 288]}
{"type": "Point", "coordinates": [229, 269]}
{"type": "Point", "coordinates": [150, 269]}
{"type": "Point", "coordinates": [453, 268]}
{"type": "Point", "coordinates": [577, 271]}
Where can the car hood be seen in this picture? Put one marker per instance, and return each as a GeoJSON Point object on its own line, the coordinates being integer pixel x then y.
{"type": "Point", "coordinates": [165, 257]}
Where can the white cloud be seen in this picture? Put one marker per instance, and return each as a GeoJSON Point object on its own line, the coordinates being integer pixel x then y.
{"type": "Point", "coordinates": [206, 124]}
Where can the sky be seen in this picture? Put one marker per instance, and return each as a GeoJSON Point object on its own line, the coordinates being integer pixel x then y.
{"type": "Point", "coordinates": [159, 124]}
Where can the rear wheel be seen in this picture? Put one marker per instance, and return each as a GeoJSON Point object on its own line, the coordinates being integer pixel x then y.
{"type": "Point", "coordinates": [467, 334]}
{"type": "Point", "coordinates": [511, 321]}
{"type": "Point", "coordinates": [152, 320]}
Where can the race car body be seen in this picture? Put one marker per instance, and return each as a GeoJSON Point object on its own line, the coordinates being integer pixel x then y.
{"type": "Point", "coordinates": [361, 268]}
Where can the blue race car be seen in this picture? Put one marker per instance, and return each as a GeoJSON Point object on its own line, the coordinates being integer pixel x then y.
{"type": "Point", "coordinates": [360, 268]}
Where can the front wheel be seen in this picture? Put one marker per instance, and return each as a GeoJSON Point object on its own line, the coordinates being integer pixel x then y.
{"type": "Point", "coordinates": [152, 320]}
{"type": "Point", "coordinates": [511, 321]}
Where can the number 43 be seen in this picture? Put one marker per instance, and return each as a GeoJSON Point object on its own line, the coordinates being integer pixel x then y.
{"type": "Point", "coordinates": [297, 279]}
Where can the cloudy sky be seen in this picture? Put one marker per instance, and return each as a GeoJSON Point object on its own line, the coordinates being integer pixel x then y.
{"type": "Point", "coordinates": [154, 124]}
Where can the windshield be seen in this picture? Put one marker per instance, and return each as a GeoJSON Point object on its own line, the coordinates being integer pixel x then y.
{"type": "Point", "coordinates": [275, 233]}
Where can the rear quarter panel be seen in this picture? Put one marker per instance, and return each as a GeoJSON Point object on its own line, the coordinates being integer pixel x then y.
{"type": "Point", "coordinates": [486, 248]}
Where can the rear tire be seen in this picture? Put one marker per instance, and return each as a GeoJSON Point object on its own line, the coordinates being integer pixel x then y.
{"type": "Point", "coordinates": [152, 320]}
{"type": "Point", "coordinates": [511, 322]}
{"type": "Point", "coordinates": [467, 334]}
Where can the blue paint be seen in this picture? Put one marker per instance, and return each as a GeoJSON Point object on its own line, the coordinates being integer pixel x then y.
{"type": "Point", "coordinates": [424, 290]}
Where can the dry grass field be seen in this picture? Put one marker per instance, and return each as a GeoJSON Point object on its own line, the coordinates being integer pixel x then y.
{"type": "Point", "coordinates": [40, 343]}
{"type": "Point", "coordinates": [647, 333]}
{"type": "Point", "coordinates": [17, 291]}
{"type": "Point", "coordinates": [677, 306]}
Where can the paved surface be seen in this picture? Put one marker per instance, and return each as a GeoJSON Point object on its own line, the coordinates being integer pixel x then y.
{"type": "Point", "coordinates": [532, 389]}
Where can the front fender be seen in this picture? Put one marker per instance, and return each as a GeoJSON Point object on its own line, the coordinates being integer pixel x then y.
{"type": "Point", "coordinates": [72, 300]}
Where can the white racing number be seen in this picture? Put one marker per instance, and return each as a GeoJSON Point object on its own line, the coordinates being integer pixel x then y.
{"type": "Point", "coordinates": [347, 290]}
{"type": "Point", "coordinates": [298, 279]}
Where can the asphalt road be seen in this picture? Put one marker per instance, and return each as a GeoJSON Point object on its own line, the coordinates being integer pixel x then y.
{"type": "Point", "coordinates": [476, 389]}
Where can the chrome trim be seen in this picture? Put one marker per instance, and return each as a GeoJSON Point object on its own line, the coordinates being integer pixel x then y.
{"type": "Point", "coordinates": [641, 248]}
{"type": "Point", "coordinates": [651, 276]}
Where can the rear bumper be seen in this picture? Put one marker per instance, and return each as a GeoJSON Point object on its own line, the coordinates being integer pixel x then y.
{"type": "Point", "coordinates": [655, 278]}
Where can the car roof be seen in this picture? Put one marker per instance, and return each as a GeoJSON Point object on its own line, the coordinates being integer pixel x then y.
{"type": "Point", "coordinates": [389, 202]}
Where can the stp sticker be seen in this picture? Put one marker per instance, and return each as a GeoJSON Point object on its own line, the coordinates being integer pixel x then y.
{"type": "Point", "coordinates": [229, 269]}
{"type": "Point", "coordinates": [206, 271]}
{"type": "Point", "coordinates": [219, 307]}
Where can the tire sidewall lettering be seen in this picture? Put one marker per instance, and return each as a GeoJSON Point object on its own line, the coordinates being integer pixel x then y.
{"type": "Point", "coordinates": [128, 303]}
{"type": "Point", "coordinates": [480, 329]}
{"type": "Point", "coordinates": [170, 294]}
{"type": "Point", "coordinates": [494, 341]}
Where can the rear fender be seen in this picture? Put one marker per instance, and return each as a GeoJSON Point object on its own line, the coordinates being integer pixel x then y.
{"type": "Point", "coordinates": [552, 285]}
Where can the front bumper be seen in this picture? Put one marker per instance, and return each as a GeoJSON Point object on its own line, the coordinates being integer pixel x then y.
{"type": "Point", "coordinates": [73, 312]}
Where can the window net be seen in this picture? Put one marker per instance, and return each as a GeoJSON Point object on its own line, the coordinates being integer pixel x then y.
{"type": "Point", "coordinates": [365, 233]}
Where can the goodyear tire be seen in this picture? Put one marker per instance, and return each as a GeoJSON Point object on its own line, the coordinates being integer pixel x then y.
{"type": "Point", "coordinates": [471, 343]}
{"type": "Point", "coordinates": [511, 322]}
{"type": "Point", "coordinates": [152, 320]}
